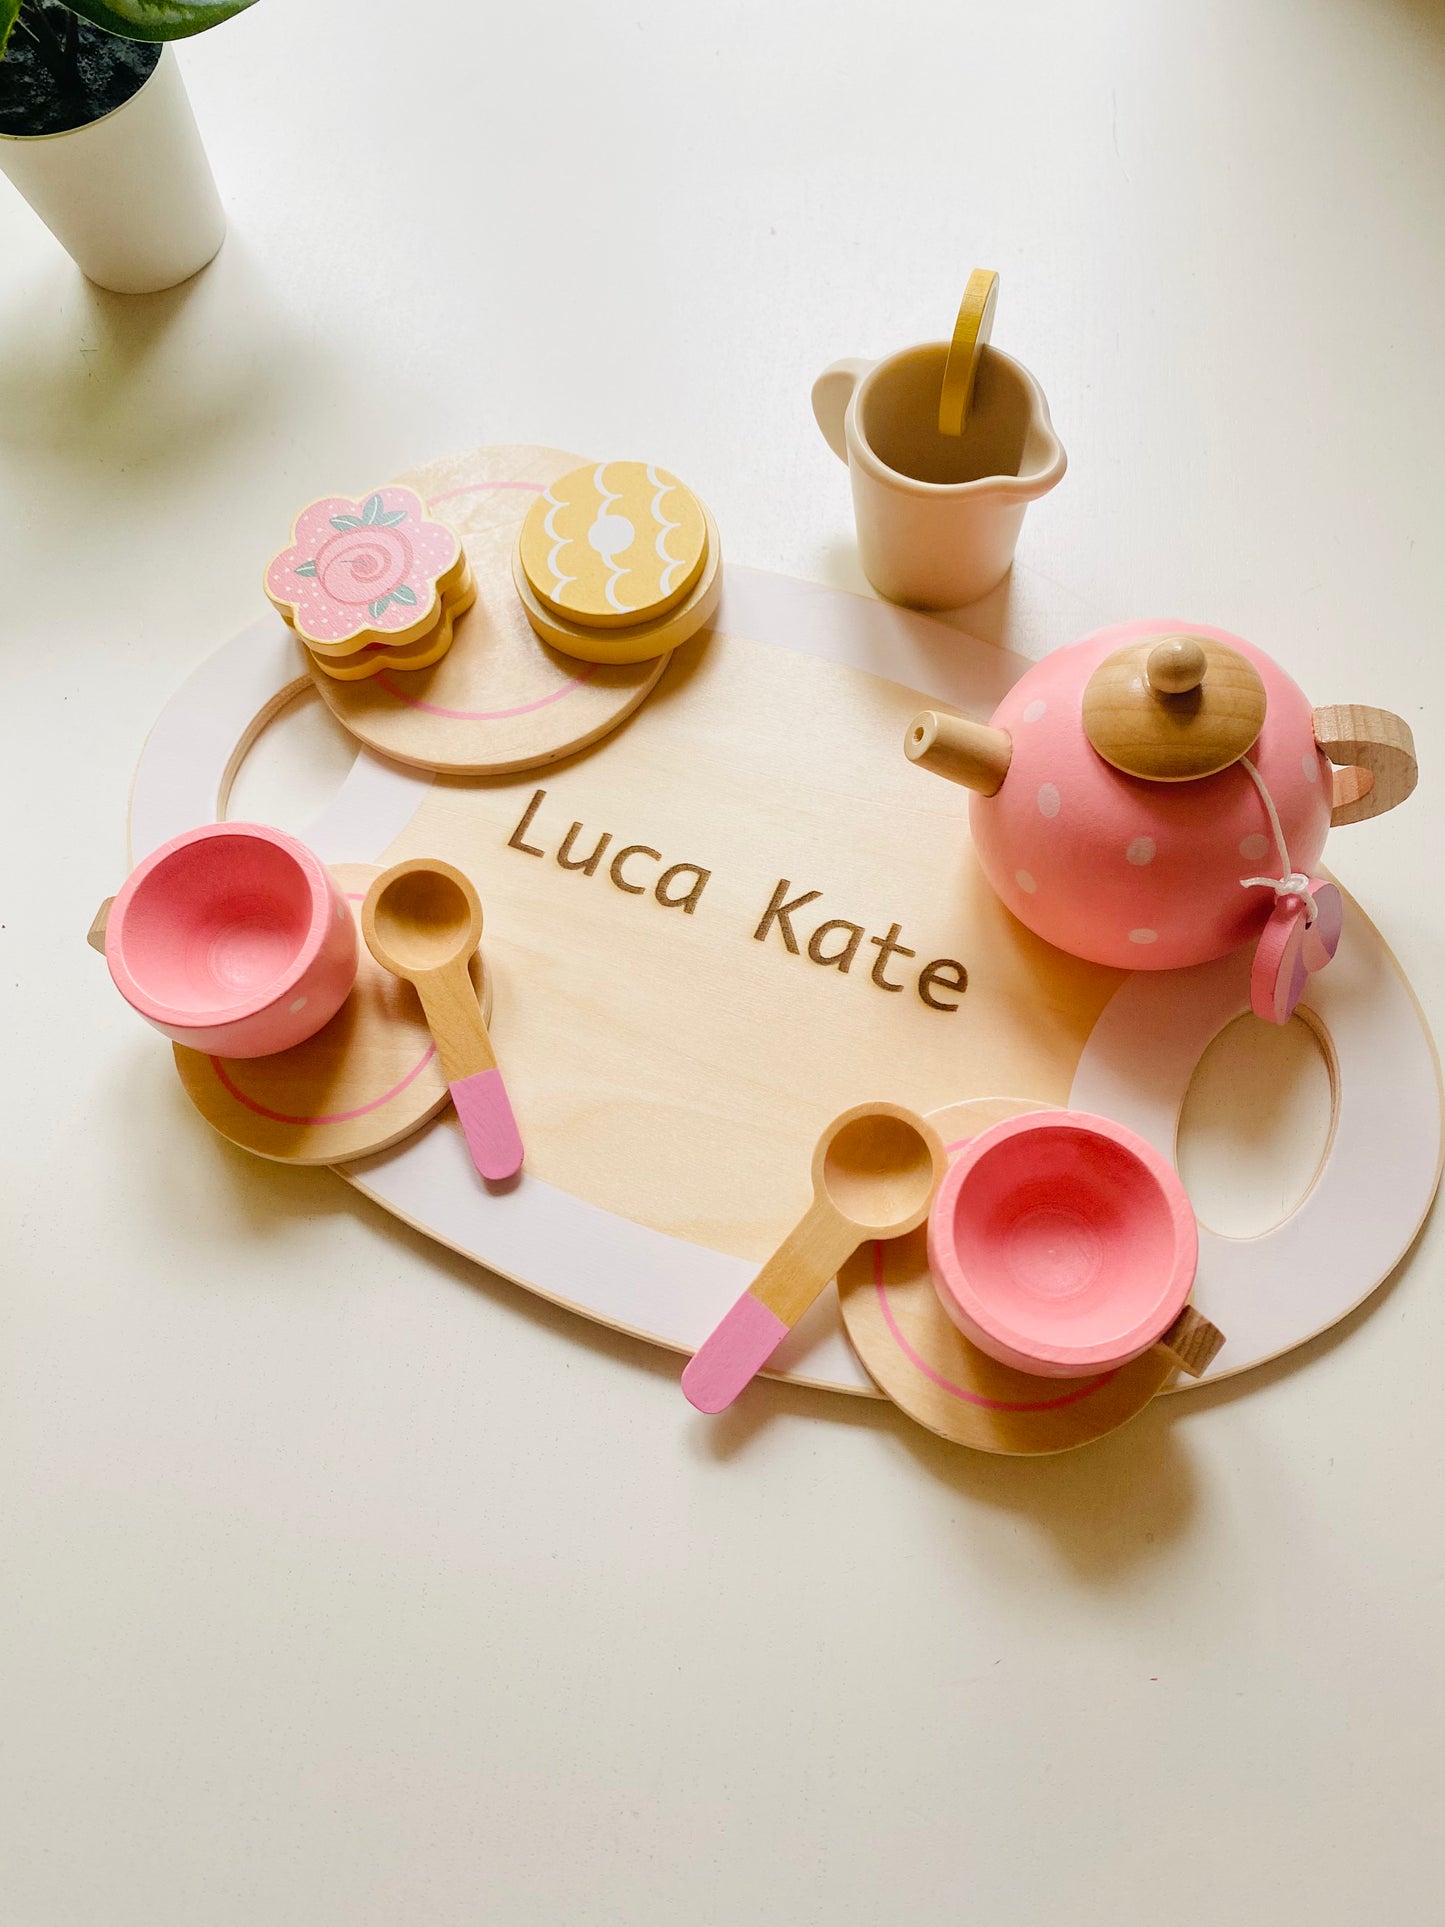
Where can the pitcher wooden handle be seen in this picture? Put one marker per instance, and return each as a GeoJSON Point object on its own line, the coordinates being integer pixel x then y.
{"type": "Point", "coordinates": [1376, 754]}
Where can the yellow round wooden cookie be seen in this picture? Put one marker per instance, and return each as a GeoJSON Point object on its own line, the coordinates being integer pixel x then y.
{"type": "Point", "coordinates": [613, 544]}
{"type": "Point", "coordinates": [641, 641]}
{"type": "Point", "coordinates": [366, 1080]}
{"type": "Point", "coordinates": [920, 1358]}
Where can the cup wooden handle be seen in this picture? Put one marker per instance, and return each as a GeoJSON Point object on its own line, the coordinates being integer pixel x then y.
{"type": "Point", "coordinates": [1376, 754]}
{"type": "Point", "coordinates": [95, 936]}
{"type": "Point", "coordinates": [1192, 1342]}
{"type": "Point", "coordinates": [832, 392]}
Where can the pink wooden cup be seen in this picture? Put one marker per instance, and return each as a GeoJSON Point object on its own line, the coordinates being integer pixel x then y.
{"type": "Point", "coordinates": [233, 939]}
{"type": "Point", "coordinates": [1062, 1244]}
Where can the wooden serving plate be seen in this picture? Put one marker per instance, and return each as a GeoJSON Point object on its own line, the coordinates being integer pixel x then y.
{"type": "Point", "coordinates": [674, 1040]}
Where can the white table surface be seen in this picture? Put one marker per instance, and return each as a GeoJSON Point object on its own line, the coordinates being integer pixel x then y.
{"type": "Point", "coordinates": [342, 1585]}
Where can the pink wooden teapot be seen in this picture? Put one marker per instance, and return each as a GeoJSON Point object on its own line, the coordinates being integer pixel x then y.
{"type": "Point", "coordinates": [1151, 797]}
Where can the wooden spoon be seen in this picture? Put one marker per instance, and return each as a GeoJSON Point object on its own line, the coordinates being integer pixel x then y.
{"type": "Point", "coordinates": [422, 920]}
{"type": "Point", "coordinates": [875, 1170]}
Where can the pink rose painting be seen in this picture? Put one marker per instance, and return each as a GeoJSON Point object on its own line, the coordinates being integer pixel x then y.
{"type": "Point", "coordinates": [363, 569]}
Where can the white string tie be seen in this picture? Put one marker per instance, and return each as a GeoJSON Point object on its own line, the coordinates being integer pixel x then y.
{"type": "Point", "coordinates": [1294, 883]}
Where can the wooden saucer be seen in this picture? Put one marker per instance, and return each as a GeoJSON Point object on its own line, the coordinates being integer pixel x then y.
{"type": "Point", "coordinates": [500, 699]}
{"type": "Point", "coordinates": [920, 1358]}
{"type": "Point", "coordinates": [366, 1080]}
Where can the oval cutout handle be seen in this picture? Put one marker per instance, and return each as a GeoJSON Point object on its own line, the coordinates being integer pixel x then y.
{"type": "Point", "coordinates": [1375, 754]}
{"type": "Point", "coordinates": [832, 392]}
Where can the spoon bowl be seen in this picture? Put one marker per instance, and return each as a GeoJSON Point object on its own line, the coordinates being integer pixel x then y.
{"type": "Point", "coordinates": [878, 1171]}
{"type": "Point", "coordinates": [424, 916]}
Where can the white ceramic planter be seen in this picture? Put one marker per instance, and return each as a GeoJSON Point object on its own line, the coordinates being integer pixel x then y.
{"type": "Point", "coordinates": [129, 197]}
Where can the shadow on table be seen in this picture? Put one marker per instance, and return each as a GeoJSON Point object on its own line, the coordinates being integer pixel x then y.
{"type": "Point", "coordinates": [94, 384]}
{"type": "Point", "coordinates": [1106, 1507]}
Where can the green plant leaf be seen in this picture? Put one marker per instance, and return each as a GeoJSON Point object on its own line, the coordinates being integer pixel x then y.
{"type": "Point", "coordinates": [372, 511]}
{"type": "Point", "coordinates": [404, 593]}
{"type": "Point", "coordinates": [9, 9]}
{"type": "Point", "coordinates": [380, 606]}
{"type": "Point", "coordinates": [305, 568]}
{"type": "Point", "coordinates": [153, 19]}
{"type": "Point", "coordinates": [390, 521]}
{"type": "Point", "coordinates": [346, 521]}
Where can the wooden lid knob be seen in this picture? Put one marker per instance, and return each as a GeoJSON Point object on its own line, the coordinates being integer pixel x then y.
{"type": "Point", "coordinates": [1176, 665]}
{"type": "Point", "coordinates": [1174, 708]}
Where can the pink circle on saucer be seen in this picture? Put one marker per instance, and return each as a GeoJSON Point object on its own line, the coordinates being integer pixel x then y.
{"type": "Point", "coordinates": [1062, 1244]}
{"type": "Point", "coordinates": [232, 939]}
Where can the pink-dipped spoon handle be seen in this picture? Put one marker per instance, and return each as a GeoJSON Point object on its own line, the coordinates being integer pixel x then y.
{"type": "Point", "coordinates": [487, 1123]}
{"type": "Point", "coordinates": [732, 1354]}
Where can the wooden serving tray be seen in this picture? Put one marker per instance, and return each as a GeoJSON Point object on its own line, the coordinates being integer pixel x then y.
{"type": "Point", "coordinates": [674, 1037]}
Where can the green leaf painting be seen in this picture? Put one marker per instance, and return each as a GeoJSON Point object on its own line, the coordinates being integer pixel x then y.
{"type": "Point", "coordinates": [380, 606]}
{"type": "Point", "coordinates": [152, 19]}
{"type": "Point", "coordinates": [371, 513]}
{"type": "Point", "coordinates": [346, 521]}
{"type": "Point", "coordinates": [404, 593]}
{"type": "Point", "coordinates": [305, 568]}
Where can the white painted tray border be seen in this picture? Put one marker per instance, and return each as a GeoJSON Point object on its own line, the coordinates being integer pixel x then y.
{"type": "Point", "coordinates": [1268, 1293]}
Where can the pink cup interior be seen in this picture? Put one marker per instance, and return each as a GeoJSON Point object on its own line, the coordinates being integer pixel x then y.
{"type": "Point", "coordinates": [218, 927]}
{"type": "Point", "coordinates": [1065, 1240]}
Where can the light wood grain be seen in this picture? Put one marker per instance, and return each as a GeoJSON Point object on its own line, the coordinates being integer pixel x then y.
{"type": "Point", "coordinates": [422, 920]}
{"type": "Point", "coordinates": [1146, 729]}
{"type": "Point", "coordinates": [365, 1081]}
{"type": "Point", "coordinates": [670, 1043]}
{"type": "Point", "coordinates": [1192, 1342]}
{"type": "Point", "coordinates": [875, 1170]}
{"type": "Point", "coordinates": [95, 936]}
{"type": "Point", "coordinates": [1377, 750]}
{"type": "Point", "coordinates": [960, 749]}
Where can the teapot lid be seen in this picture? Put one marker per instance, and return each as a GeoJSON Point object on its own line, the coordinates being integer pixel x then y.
{"type": "Point", "coordinates": [1173, 708]}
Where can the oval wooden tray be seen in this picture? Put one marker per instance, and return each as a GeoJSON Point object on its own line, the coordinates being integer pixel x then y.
{"type": "Point", "coordinates": [672, 1052]}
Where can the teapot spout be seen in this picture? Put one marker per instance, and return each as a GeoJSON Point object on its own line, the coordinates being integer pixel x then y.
{"type": "Point", "coordinates": [962, 750]}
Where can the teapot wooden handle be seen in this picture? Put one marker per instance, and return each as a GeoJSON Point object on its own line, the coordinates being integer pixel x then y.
{"type": "Point", "coordinates": [1376, 754]}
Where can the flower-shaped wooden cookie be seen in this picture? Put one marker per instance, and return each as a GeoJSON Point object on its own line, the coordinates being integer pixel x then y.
{"type": "Point", "coordinates": [375, 571]}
